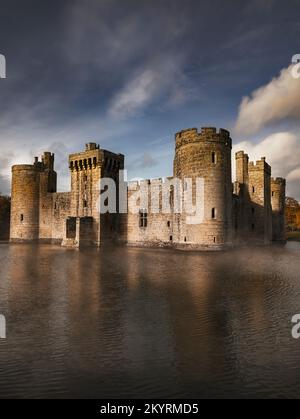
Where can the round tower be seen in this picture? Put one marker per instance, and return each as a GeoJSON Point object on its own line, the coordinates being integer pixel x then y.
{"type": "Point", "coordinates": [25, 203]}
{"type": "Point", "coordinates": [207, 155]}
{"type": "Point", "coordinates": [278, 193]}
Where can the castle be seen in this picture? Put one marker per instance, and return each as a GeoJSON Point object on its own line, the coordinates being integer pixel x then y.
{"type": "Point", "coordinates": [249, 211]}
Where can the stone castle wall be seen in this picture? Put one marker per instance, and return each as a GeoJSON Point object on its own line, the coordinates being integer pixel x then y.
{"type": "Point", "coordinates": [278, 192]}
{"type": "Point", "coordinates": [249, 211]}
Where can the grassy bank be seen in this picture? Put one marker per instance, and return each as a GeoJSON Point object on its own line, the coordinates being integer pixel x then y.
{"type": "Point", "coordinates": [293, 235]}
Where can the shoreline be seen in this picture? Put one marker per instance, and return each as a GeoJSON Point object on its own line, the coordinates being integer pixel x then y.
{"type": "Point", "coordinates": [294, 236]}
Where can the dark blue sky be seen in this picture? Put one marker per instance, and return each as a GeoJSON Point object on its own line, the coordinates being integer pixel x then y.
{"type": "Point", "coordinates": [129, 74]}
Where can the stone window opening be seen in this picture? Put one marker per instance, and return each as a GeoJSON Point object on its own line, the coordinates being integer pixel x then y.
{"type": "Point", "coordinates": [215, 240]}
{"type": "Point", "coordinates": [143, 219]}
{"type": "Point", "coordinates": [22, 217]}
{"type": "Point", "coordinates": [171, 238]}
{"type": "Point", "coordinates": [169, 224]}
{"type": "Point", "coordinates": [253, 189]}
{"type": "Point", "coordinates": [84, 203]}
{"type": "Point", "coordinates": [273, 193]}
{"type": "Point", "coordinates": [214, 158]}
{"type": "Point", "coordinates": [71, 228]}
{"type": "Point", "coordinates": [213, 213]}
{"type": "Point", "coordinates": [172, 196]}
{"type": "Point", "coordinates": [185, 240]}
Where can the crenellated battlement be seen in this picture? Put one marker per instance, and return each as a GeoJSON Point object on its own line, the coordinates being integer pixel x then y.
{"type": "Point", "coordinates": [278, 181]}
{"type": "Point", "coordinates": [260, 165]}
{"type": "Point", "coordinates": [241, 155]}
{"type": "Point", "coordinates": [209, 134]}
{"type": "Point", "coordinates": [46, 162]}
{"type": "Point", "coordinates": [186, 136]}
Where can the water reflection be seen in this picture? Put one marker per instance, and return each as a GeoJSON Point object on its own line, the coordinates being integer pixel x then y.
{"type": "Point", "coordinates": [125, 322]}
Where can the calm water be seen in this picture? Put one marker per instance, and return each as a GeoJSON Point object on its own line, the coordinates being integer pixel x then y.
{"type": "Point", "coordinates": [124, 322]}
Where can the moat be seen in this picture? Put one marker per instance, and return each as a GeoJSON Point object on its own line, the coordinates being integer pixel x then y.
{"type": "Point", "coordinates": [127, 322]}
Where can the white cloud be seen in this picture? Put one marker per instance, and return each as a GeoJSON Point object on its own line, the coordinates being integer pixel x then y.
{"type": "Point", "coordinates": [294, 175]}
{"type": "Point", "coordinates": [282, 153]}
{"type": "Point", "coordinates": [21, 143]}
{"type": "Point", "coordinates": [136, 94]}
{"type": "Point", "coordinates": [161, 80]}
{"type": "Point", "coordinates": [276, 101]}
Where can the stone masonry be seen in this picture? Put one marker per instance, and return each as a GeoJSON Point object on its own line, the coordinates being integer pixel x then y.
{"type": "Point", "coordinates": [248, 211]}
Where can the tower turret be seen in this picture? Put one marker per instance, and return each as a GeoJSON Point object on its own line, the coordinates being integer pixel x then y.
{"type": "Point", "coordinates": [25, 203]}
{"type": "Point", "coordinates": [207, 155]}
{"type": "Point", "coordinates": [260, 201]}
{"type": "Point", "coordinates": [278, 192]}
{"type": "Point", "coordinates": [31, 199]}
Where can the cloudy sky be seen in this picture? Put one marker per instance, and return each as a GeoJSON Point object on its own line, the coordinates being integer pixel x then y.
{"type": "Point", "coordinates": [128, 74]}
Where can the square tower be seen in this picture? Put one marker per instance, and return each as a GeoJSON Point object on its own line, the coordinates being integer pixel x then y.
{"type": "Point", "coordinates": [260, 201]}
{"type": "Point", "coordinates": [87, 169]}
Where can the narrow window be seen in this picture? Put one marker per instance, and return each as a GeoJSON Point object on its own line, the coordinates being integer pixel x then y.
{"type": "Point", "coordinates": [273, 193]}
{"type": "Point", "coordinates": [185, 239]}
{"type": "Point", "coordinates": [214, 240]}
{"type": "Point", "coordinates": [22, 218]}
{"type": "Point", "coordinates": [171, 238]}
{"type": "Point", "coordinates": [214, 158]}
{"type": "Point", "coordinates": [85, 203]}
{"type": "Point", "coordinates": [172, 196]}
{"type": "Point", "coordinates": [169, 224]}
{"type": "Point", "coordinates": [143, 219]}
{"type": "Point", "coordinates": [253, 189]}
{"type": "Point", "coordinates": [214, 213]}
